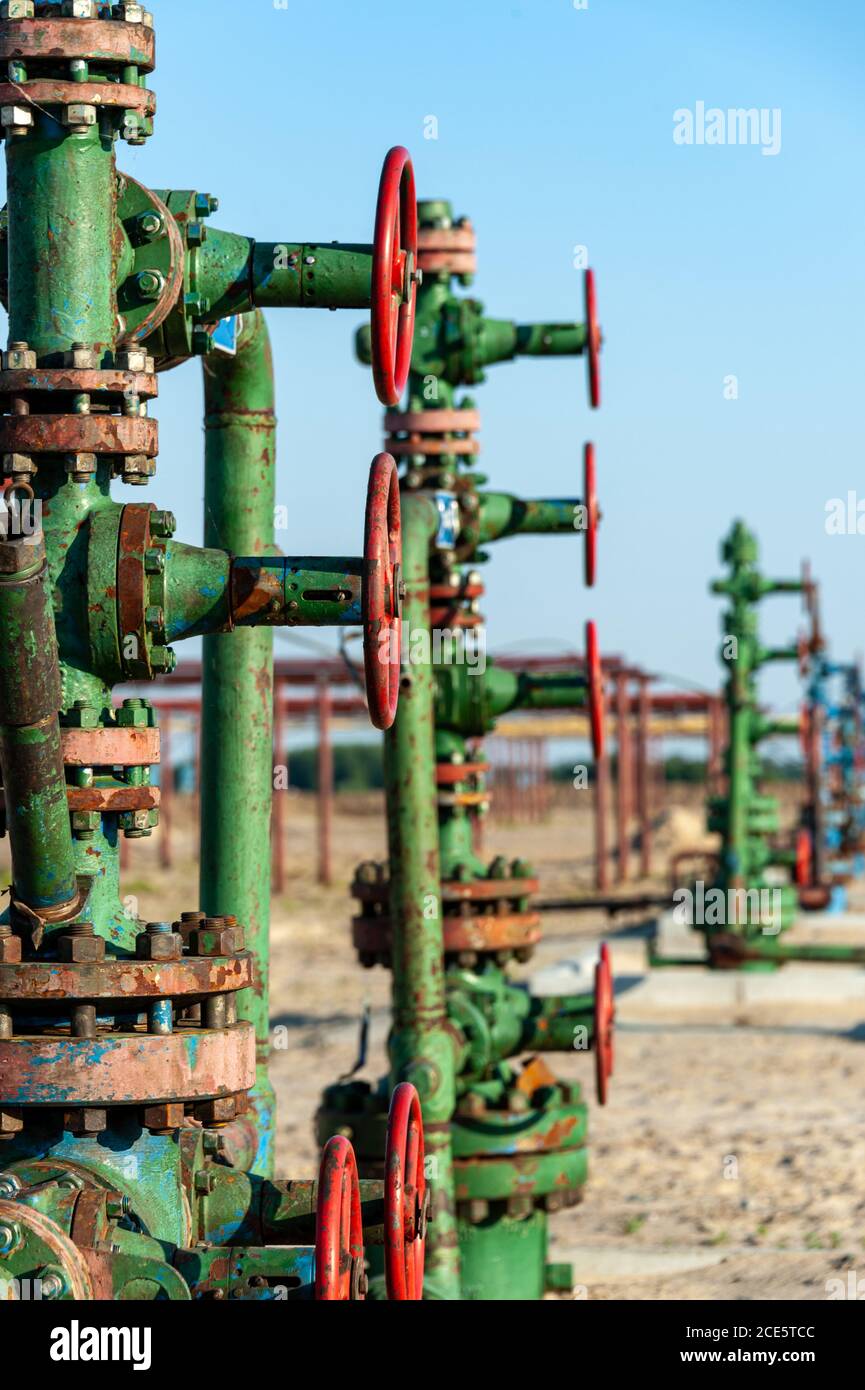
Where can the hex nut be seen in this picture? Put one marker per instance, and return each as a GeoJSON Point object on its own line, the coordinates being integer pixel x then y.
{"type": "Point", "coordinates": [83, 358]}
{"type": "Point", "coordinates": [81, 949]}
{"type": "Point", "coordinates": [80, 9]}
{"type": "Point", "coordinates": [80, 466]}
{"type": "Point", "coordinates": [85, 1120]}
{"type": "Point", "coordinates": [79, 115]}
{"type": "Point", "coordinates": [216, 941]}
{"type": "Point", "coordinates": [164, 1117]}
{"type": "Point", "coordinates": [19, 465]}
{"type": "Point", "coordinates": [159, 946]}
{"type": "Point", "coordinates": [19, 357]}
{"type": "Point", "coordinates": [10, 950]}
{"type": "Point", "coordinates": [82, 716]}
{"type": "Point", "coordinates": [131, 716]}
{"type": "Point", "coordinates": [221, 1110]}
{"type": "Point", "coordinates": [131, 360]}
{"type": "Point", "coordinates": [86, 822]}
{"type": "Point", "coordinates": [18, 9]}
{"type": "Point", "coordinates": [11, 1122]}
{"type": "Point", "coordinates": [132, 14]}
{"type": "Point", "coordinates": [137, 468]}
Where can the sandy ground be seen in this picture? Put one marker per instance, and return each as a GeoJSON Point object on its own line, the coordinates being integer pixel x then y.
{"type": "Point", "coordinates": [728, 1162]}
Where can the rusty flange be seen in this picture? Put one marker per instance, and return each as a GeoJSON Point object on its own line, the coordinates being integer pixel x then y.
{"type": "Point", "coordinates": [432, 421]}
{"type": "Point", "coordinates": [110, 747]}
{"type": "Point", "coordinates": [110, 96]}
{"type": "Point", "coordinates": [111, 799]}
{"type": "Point", "coordinates": [79, 380]}
{"type": "Point", "coordinates": [432, 444]}
{"type": "Point", "coordinates": [127, 1068]}
{"type": "Point", "coordinates": [448, 249]}
{"type": "Point", "coordinates": [78, 434]}
{"type": "Point", "coordinates": [448, 774]}
{"type": "Point", "coordinates": [514, 931]}
{"type": "Point", "coordinates": [125, 980]}
{"type": "Point", "coordinates": [441, 618]}
{"type": "Point", "coordinates": [473, 891]}
{"type": "Point", "coordinates": [55, 36]}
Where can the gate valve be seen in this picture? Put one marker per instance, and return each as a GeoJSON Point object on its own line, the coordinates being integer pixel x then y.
{"type": "Point", "coordinates": [382, 592]}
{"type": "Point", "coordinates": [605, 1016]}
{"type": "Point", "coordinates": [339, 1267]}
{"type": "Point", "coordinates": [406, 1197]}
{"type": "Point", "coordinates": [455, 341]}
{"type": "Point", "coordinates": [180, 279]}
{"type": "Point", "coordinates": [468, 702]}
{"type": "Point", "coordinates": [498, 515]}
{"type": "Point", "coordinates": [167, 591]}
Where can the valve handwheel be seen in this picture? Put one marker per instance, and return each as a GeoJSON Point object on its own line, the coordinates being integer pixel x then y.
{"type": "Point", "coordinates": [605, 1016]}
{"type": "Point", "coordinates": [595, 680]}
{"type": "Point", "coordinates": [803, 873]}
{"type": "Point", "coordinates": [593, 339]}
{"type": "Point", "coordinates": [405, 1197]}
{"type": "Point", "coordinates": [339, 1270]}
{"type": "Point", "coordinates": [381, 599]}
{"type": "Point", "coordinates": [590, 502]}
{"type": "Point", "coordinates": [394, 277]}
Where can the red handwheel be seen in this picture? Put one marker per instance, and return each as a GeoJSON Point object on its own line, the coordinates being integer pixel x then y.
{"type": "Point", "coordinates": [803, 872]}
{"type": "Point", "coordinates": [590, 502]}
{"type": "Point", "coordinates": [405, 1197]}
{"type": "Point", "coordinates": [595, 680]}
{"type": "Point", "coordinates": [394, 276]}
{"type": "Point", "coordinates": [381, 600]}
{"type": "Point", "coordinates": [605, 1017]}
{"type": "Point", "coordinates": [593, 339]}
{"type": "Point", "coordinates": [339, 1272]}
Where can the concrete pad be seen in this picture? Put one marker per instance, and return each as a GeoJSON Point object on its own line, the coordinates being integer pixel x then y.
{"type": "Point", "coordinates": [595, 1264]}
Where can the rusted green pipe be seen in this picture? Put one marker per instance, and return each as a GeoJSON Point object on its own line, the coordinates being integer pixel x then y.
{"type": "Point", "coordinates": [421, 1044]}
{"type": "Point", "coordinates": [237, 694]}
{"type": "Point", "coordinates": [30, 753]}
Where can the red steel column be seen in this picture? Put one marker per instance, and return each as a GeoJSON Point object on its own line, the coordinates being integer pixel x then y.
{"type": "Point", "coordinates": [644, 808]}
{"type": "Point", "coordinates": [602, 803]}
{"type": "Point", "coordinates": [623, 778]}
{"type": "Point", "coordinates": [325, 785]}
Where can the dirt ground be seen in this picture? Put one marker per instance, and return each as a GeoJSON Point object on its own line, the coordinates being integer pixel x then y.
{"type": "Point", "coordinates": [728, 1162]}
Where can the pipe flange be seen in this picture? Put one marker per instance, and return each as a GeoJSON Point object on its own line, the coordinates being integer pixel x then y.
{"type": "Point", "coordinates": [78, 434]}
{"type": "Point", "coordinates": [191, 1064]}
{"type": "Point", "coordinates": [53, 37]}
{"type": "Point", "coordinates": [125, 981]}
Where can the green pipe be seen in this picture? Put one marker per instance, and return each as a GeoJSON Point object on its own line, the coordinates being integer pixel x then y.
{"type": "Point", "coordinates": [62, 195]}
{"type": "Point", "coordinates": [30, 753]}
{"type": "Point", "coordinates": [237, 690]}
{"type": "Point", "coordinates": [212, 591]}
{"type": "Point", "coordinates": [421, 1044]}
{"type": "Point", "coordinates": [502, 515]}
{"type": "Point", "coordinates": [237, 273]}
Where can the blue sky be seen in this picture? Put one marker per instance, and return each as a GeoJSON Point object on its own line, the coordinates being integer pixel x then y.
{"type": "Point", "coordinates": [555, 128]}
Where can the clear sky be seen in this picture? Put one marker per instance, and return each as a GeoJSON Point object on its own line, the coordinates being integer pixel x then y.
{"type": "Point", "coordinates": [555, 128]}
